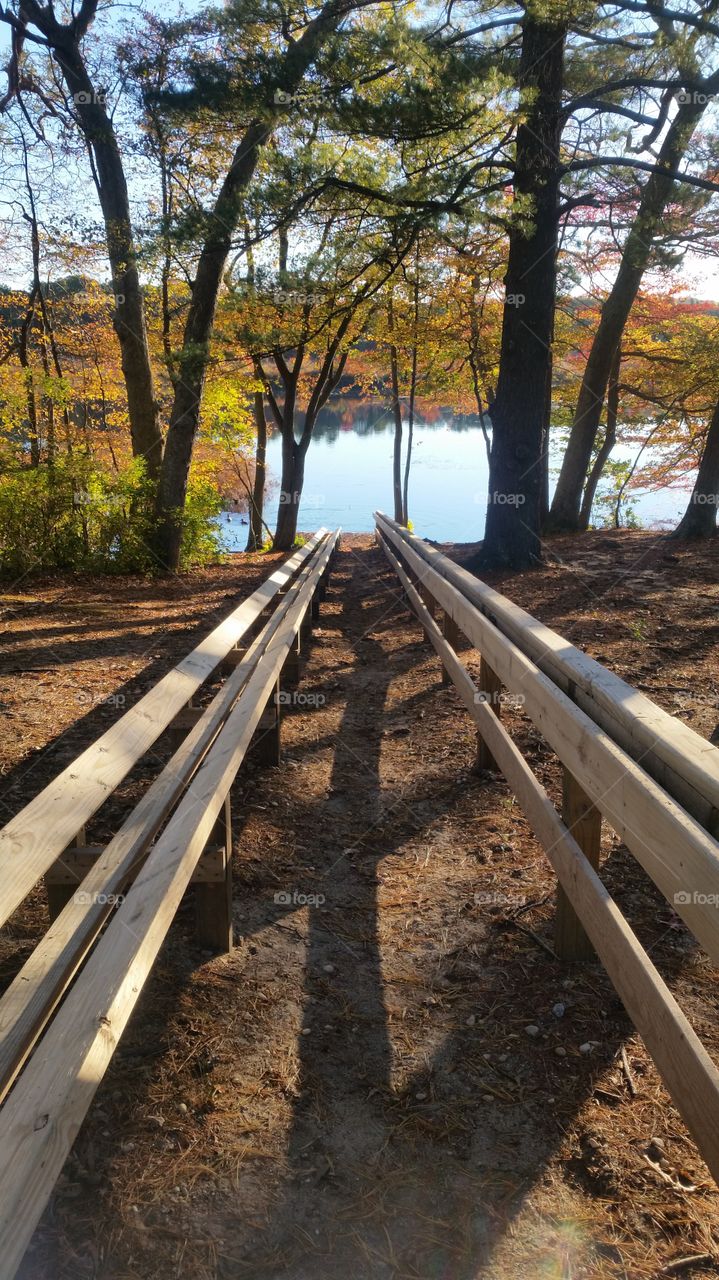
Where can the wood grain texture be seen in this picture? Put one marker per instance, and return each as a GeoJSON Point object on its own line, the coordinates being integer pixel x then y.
{"type": "Point", "coordinates": [44, 1112]}
{"type": "Point", "coordinates": [686, 1068]}
{"type": "Point", "coordinates": [36, 836]}
{"type": "Point", "coordinates": [675, 850]}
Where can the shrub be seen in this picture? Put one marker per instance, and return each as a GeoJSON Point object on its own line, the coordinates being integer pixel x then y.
{"type": "Point", "coordinates": [74, 514]}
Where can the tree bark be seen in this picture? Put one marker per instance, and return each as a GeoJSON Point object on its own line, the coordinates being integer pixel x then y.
{"type": "Point", "coordinates": [257, 501]}
{"type": "Point", "coordinates": [699, 519]}
{"type": "Point", "coordinates": [608, 443]}
{"type": "Point", "coordinates": [512, 535]}
{"type": "Point", "coordinates": [565, 509]}
{"type": "Point", "coordinates": [193, 359]}
{"type": "Point", "coordinates": [129, 312]}
{"type": "Point", "coordinates": [399, 514]}
{"type": "Point", "coordinates": [293, 478]}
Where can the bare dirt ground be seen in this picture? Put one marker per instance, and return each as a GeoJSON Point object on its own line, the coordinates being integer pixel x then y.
{"type": "Point", "coordinates": [354, 1094]}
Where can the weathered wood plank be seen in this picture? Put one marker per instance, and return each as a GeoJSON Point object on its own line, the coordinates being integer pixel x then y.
{"type": "Point", "coordinates": [680, 760]}
{"type": "Point", "coordinates": [36, 836]}
{"type": "Point", "coordinates": [672, 846]}
{"type": "Point", "coordinates": [686, 1068]}
{"type": "Point", "coordinates": [42, 1115]}
{"type": "Point", "coordinates": [33, 994]}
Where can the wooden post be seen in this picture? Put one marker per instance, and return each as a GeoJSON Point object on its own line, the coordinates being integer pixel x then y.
{"type": "Point", "coordinates": [490, 687]}
{"type": "Point", "coordinates": [59, 894]}
{"type": "Point", "coordinates": [267, 739]}
{"type": "Point", "coordinates": [315, 606]}
{"type": "Point", "coordinates": [585, 825]}
{"type": "Point", "coordinates": [451, 633]}
{"type": "Point", "coordinates": [213, 902]}
{"type": "Point", "coordinates": [291, 669]}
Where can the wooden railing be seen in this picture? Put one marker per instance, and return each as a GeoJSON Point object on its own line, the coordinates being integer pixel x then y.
{"type": "Point", "coordinates": [602, 779]}
{"type": "Point", "coordinates": [51, 1066]}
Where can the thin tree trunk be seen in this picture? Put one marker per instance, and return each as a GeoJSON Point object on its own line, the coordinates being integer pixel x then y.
{"type": "Point", "coordinates": [512, 535]}
{"type": "Point", "coordinates": [699, 519]}
{"type": "Point", "coordinates": [608, 443]}
{"type": "Point", "coordinates": [399, 514]}
{"type": "Point", "coordinates": [193, 359]}
{"type": "Point", "coordinates": [565, 510]}
{"type": "Point", "coordinates": [129, 314]}
{"type": "Point", "coordinates": [293, 476]}
{"type": "Point", "coordinates": [257, 501]}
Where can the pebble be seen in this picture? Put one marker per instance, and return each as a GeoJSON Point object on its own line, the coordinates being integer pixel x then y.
{"type": "Point", "coordinates": [306, 1031]}
{"type": "Point", "coordinates": [328, 968]}
{"type": "Point", "coordinates": [560, 1052]}
{"type": "Point", "coordinates": [532, 1030]}
{"type": "Point", "coordinates": [420, 1096]}
{"type": "Point", "coordinates": [182, 1106]}
{"type": "Point", "coordinates": [558, 1009]}
{"type": "Point", "coordinates": [588, 1046]}
{"type": "Point", "coordinates": [471, 1020]}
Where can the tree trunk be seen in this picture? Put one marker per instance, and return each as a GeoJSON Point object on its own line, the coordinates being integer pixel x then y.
{"type": "Point", "coordinates": [399, 514]}
{"type": "Point", "coordinates": [512, 536]}
{"type": "Point", "coordinates": [257, 501]}
{"type": "Point", "coordinates": [193, 359]}
{"type": "Point", "coordinates": [608, 443]}
{"type": "Point", "coordinates": [191, 364]}
{"type": "Point", "coordinates": [699, 519]}
{"type": "Point", "coordinates": [129, 312]}
{"type": "Point", "coordinates": [565, 510]}
{"type": "Point", "coordinates": [293, 476]}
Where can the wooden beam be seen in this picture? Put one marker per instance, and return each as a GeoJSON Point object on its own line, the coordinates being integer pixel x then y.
{"type": "Point", "coordinates": [33, 994]}
{"type": "Point", "coordinates": [680, 760]}
{"type": "Point", "coordinates": [213, 902]}
{"type": "Point", "coordinates": [585, 824]}
{"type": "Point", "coordinates": [672, 846]}
{"type": "Point", "coordinates": [686, 1068]}
{"type": "Point", "coordinates": [44, 1112]}
{"type": "Point", "coordinates": [490, 688]}
{"type": "Point", "coordinates": [36, 836]}
{"type": "Point", "coordinates": [452, 635]}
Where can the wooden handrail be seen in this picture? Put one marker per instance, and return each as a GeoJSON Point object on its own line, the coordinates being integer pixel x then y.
{"type": "Point", "coordinates": [43, 1112]}
{"type": "Point", "coordinates": [27, 1004]}
{"type": "Point", "coordinates": [672, 846]}
{"type": "Point", "coordinates": [686, 1068]}
{"type": "Point", "coordinates": [33, 839]}
{"type": "Point", "coordinates": [680, 760]}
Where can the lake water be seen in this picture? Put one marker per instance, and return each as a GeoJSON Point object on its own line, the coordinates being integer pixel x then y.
{"type": "Point", "coordinates": [348, 475]}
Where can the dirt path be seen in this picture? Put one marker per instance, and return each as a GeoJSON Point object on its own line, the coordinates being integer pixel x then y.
{"type": "Point", "coordinates": [354, 1094]}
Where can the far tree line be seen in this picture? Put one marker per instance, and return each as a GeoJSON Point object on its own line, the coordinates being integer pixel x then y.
{"type": "Point", "coordinates": [488, 209]}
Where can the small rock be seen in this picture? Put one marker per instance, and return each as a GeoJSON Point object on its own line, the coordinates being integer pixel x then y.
{"type": "Point", "coordinates": [558, 1009]}
{"type": "Point", "coordinates": [182, 1106]}
{"type": "Point", "coordinates": [328, 968]}
{"type": "Point", "coordinates": [531, 1030]}
{"type": "Point", "coordinates": [560, 1051]}
{"type": "Point", "coordinates": [420, 1096]}
{"type": "Point", "coordinates": [471, 1020]}
{"type": "Point", "coordinates": [306, 1031]}
{"type": "Point", "coordinates": [588, 1046]}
